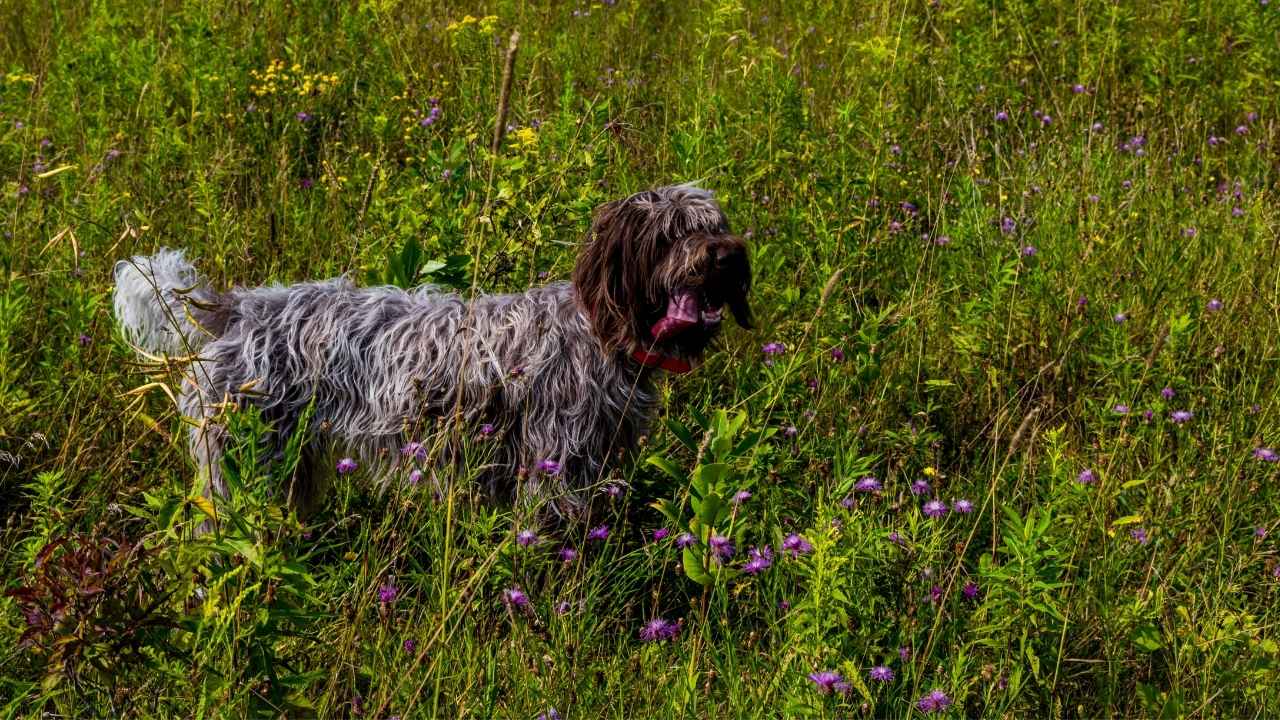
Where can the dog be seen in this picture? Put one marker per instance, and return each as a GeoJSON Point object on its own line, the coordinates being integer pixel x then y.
{"type": "Point", "coordinates": [557, 380]}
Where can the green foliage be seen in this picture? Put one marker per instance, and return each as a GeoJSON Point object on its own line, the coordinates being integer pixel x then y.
{"type": "Point", "coordinates": [990, 304]}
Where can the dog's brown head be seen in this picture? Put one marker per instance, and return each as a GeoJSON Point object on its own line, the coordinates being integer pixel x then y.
{"type": "Point", "coordinates": [657, 270]}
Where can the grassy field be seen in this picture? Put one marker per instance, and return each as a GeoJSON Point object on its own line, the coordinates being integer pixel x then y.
{"type": "Point", "coordinates": [1015, 260]}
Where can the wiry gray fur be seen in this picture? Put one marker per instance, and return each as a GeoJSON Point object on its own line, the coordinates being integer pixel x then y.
{"type": "Point", "coordinates": [380, 361]}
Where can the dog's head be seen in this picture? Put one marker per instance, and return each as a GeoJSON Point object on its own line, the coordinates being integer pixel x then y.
{"type": "Point", "coordinates": [657, 271]}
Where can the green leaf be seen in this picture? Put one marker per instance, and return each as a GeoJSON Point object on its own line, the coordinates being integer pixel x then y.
{"type": "Point", "coordinates": [666, 466]}
{"type": "Point", "coordinates": [682, 434]}
{"type": "Point", "coordinates": [694, 567]}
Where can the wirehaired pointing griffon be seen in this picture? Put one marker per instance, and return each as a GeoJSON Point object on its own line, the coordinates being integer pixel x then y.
{"type": "Point", "coordinates": [558, 379]}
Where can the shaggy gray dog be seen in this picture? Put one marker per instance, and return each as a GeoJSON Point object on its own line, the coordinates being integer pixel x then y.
{"type": "Point", "coordinates": [556, 382]}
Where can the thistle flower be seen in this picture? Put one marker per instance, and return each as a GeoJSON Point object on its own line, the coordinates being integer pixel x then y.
{"type": "Point", "coordinates": [387, 593]}
{"type": "Point", "coordinates": [904, 653]}
{"type": "Point", "coordinates": [740, 497]}
{"type": "Point", "coordinates": [409, 645]}
{"type": "Point", "coordinates": [970, 590]}
{"type": "Point", "coordinates": [829, 681]}
{"type": "Point", "coordinates": [550, 467]}
{"type": "Point", "coordinates": [934, 701]}
{"type": "Point", "coordinates": [1029, 251]}
{"type": "Point", "coordinates": [881, 673]}
{"type": "Point", "coordinates": [660, 534]}
{"type": "Point", "coordinates": [1214, 305]}
{"type": "Point", "coordinates": [600, 532]}
{"type": "Point", "coordinates": [514, 597]}
{"type": "Point", "coordinates": [684, 540]}
{"type": "Point", "coordinates": [550, 714]}
{"type": "Point", "coordinates": [1007, 225]}
{"type": "Point", "coordinates": [962, 506]}
{"type": "Point", "coordinates": [303, 116]}
{"type": "Point", "coordinates": [1086, 477]}
{"type": "Point", "coordinates": [773, 348]}
{"type": "Point", "coordinates": [1139, 536]}
{"type": "Point", "coordinates": [795, 545]}
{"type": "Point", "coordinates": [658, 630]}
{"type": "Point", "coordinates": [568, 554]}
{"type": "Point", "coordinates": [486, 429]}
{"type": "Point", "coordinates": [1120, 409]}
{"type": "Point", "coordinates": [1167, 393]}
{"type": "Point", "coordinates": [347, 466]}
{"type": "Point", "coordinates": [1180, 416]}
{"type": "Point", "coordinates": [1120, 318]}
{"type": "Point", "coordinates": [1001, 116]}
{"type": "Point", "coordinates": [868, 484]}
{"type": "Point", "coordinates": [935, 594]}
{"type": "Point", "coordinates": [758, 560]}
{"type": "Point", "coordinates": [1266, 455]}
{"type": "Point", "coordinates": [837, 354]}
{"type": "Point", "coordinates": [415, 450]}
{"type": "Point", "coordinates": [613, 490]}
{"type": "Point", "coordinates": [919, 487]}
{"type": "Point", "coordinates": [935, 508]}
{"type": "Point", "coordinates": [526, 537]}
{"type": "Point", "coordinates": [721, 546]}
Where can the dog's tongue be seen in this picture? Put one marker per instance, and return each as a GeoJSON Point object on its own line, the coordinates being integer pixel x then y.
{"type": "Point", "coordinates": [682, 314]}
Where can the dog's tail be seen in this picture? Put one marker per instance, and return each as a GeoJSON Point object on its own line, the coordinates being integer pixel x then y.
{"type": "Point", "coordinates": [161, 303]}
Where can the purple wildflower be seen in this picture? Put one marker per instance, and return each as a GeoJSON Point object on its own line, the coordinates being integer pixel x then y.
{"type": "Point", "coordinates": [347, 466]}
{"type": "Point", "coordinates": [740, 497]}
{"type": "Point", "coordinates": [514, 597]}
{"type": "Point", "coordinates": [790, 431]}
{"type": "Point", "coordinates": [970, 590]}
{"type": "Point", "coordinates": [1167, 393]}
{"type": "Point", "coordinates": [1189, 232]}
{"type": "Point", "coordinates": [1029, 251]}
{"type": "Point", "coordinates": [1139, 536]}
{"type": "Point", "coordinates": [1077, 88]}
{"type": "Point", "coordinates": [684, 540]}
{"type": "Point", "coordinates": [829, 681]}
{"type": "Point", "coordinates": [933, 701]}
{"type": "Point", "coordinates": [904, 653]}
{"type": "Point", "coordinates": [1180, 416]}
{"type": "Point", "coordinates": [409, 645]}
{"type": "Point", "coordinates": [660, 534]}
{"type": "Point", "coordinates": [881, 673]}
{"type": "Point", "coordinates": [773, 348]}
{"type": "Point", "coordinates": [1266, 454]}
{"type": "Point", "coordinates": [1214, 305]}
{"type": "Point", "coordinates": [550, 467]}
{"type": "Point", "coordinates": [613, 490]}
{"type": "Point", "coordinates": [526, 537]}
{"type": "Point", "coordinates": [1001, 116]}
{"type": "Point", "coordinates": [659, 629]}
{"type": "Point", "coordinates": [935, 594]}
{"type": "Point", "coordinates": [568, 554]}
{"type": "Point", "coordinates": [306, 183]}
{"type": "Point", "coordinates": [1007, 225]}
{"type": "Point", "coordinates": [896, 538]}
{"type": "Point", "coordinates": [919, 487]}
{"type": "Point", "coordinates": [868, 484]}
{"type": "Point", "coordinates": [486, 429]}
{"type": "Point", "coordinates": [1260, 532]}
{"type": "Point", "coordinates": [837, 354]}
{"type": "Point", "coordinates": [962, 506]}
{"type": "Point", "coordinates": [1120, 318]}
{"type": "Point", "coordinates": [1086, 477]}
{"type": "Point", "coordinates": [796, 545]}
{"type": "Point", "coordinates": [415, 450]}
{"type": "Point", "coordinates": [758, 560]}
{"type": "Point", "coordinates": [1120, 409]}
{"type": "Point", "coordinates": [600, 532]}
{"type": "Point", "coordinates": [303, 116]}
{"type": "Point", "coordinates": [550, 714]}
{"type": "Point", "coordinates": [387, 593]}
{"type": "Point", "coordinates": [935, 508]}
{"type": "Point", "coordinates": [721, 546]}
{"type": "Point", "coordinates": [415, 476]}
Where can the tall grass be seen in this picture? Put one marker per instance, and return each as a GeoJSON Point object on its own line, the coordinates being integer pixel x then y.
{"type": "Point", "coordinates": [997, 247]}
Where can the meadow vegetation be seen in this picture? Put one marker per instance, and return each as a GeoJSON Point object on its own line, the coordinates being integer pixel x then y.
{"type": "Point", "coordinates": [1000, 445]}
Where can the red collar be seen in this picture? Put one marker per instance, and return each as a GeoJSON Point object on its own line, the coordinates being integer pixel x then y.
{"type": "Point", "coordinates": [666, 362]}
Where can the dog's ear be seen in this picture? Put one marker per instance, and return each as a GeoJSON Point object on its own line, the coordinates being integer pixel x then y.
{"type": "Point", "coordinates": [612, 272]}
